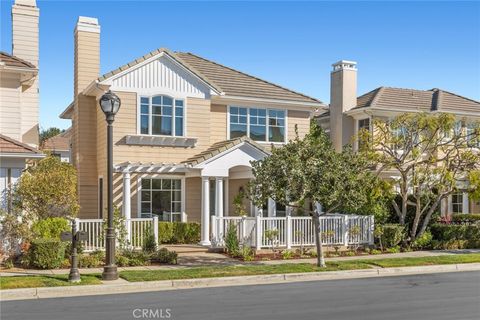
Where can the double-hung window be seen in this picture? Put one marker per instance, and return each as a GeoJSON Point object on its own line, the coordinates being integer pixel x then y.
{"type": "Point", "coordinates": [161, 115]}
{"type": "Point", "coordinates": [472, 136]}
{"type": "Point", "coordinates": [363, 125]}
{"type": "Point", "coordinates": [163, 198]}
{"type": "Point", "coordinates": [260, 124]}
{"type": "Point", "coordinates": [457, 202]}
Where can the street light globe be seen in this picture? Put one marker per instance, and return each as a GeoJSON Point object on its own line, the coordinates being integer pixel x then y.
{"type": "Point", "coordinates": [110, 104]}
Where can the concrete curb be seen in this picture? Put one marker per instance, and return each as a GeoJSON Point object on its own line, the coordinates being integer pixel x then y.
{"type": "Point", "coordinates": [148, 286]}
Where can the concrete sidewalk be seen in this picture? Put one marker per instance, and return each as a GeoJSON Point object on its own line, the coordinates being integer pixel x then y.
{"type": "Point", "coordinates": [132, 287]}
{"type": "Point", "coordinates": [188, 256]}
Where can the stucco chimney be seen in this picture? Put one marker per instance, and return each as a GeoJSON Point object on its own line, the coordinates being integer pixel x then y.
{"type": "Point", "coordinates": [87, 53]}
{"type": "Point", "coordinates": [343, 97]}
{"type": "Point", "coordinates": [25, 16]}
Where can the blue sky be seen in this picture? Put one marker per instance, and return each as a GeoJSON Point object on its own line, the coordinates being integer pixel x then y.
{"type": "Point", "coordinates": [401, 44]}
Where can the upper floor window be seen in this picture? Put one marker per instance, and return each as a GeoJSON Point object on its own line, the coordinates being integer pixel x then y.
{"type": "Point", "coordinates": [260, 124]}
{"type": "Point", "coordinates": [363, 125]}
{"type": "Point", "coordinates": [161, 115]}
{"type": "Point", "coordinates": [472, 136]}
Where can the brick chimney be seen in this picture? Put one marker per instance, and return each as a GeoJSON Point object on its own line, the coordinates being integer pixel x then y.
{"type": "Point", "coordinates": [25, 16]}
{"type": "Point", "coordinates": [343, 97]}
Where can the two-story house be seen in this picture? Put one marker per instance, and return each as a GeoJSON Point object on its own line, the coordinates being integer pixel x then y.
{"type": "Point", "coordinates": [185, 134]}
{"type": "Point", "coordinates": [19, 104]}
{"type": "Point", "coordinates": [348, 114]}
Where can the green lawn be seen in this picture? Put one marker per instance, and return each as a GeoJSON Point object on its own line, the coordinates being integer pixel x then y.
{"type": "Point", "coordinates": [245, 270]}
{"type": "Point", "coordinates": [425, 261]}
{"type": "Point", "coordinates": [209, 272]}
{"type": "Point", "coordinates": [44, 281]}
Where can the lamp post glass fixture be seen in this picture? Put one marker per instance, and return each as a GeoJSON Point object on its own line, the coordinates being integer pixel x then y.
{"type": "Point", "coordinates": [110, 104]}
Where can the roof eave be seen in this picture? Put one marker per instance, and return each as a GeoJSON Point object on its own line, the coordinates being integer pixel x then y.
{"type": "Point", "coordinates": [226, 98]}
{"type": "Point", "coordinates": [68, 112]}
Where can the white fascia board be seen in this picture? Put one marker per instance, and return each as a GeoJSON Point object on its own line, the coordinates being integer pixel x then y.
{"type": "Point", "coordinates": [202, 165]}
{"type": "Point", "coordinates": [292, 105]}
{"type": "Point", "coordinates": [109, 80]}
{"type": "Point", "coordinates": [22, 155]}
{"type": "Point", "coordinates": [395, 111]}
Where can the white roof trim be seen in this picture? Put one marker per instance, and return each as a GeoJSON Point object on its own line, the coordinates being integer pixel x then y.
{"type": "Point", "coordinates": [140, 167]}
{"type": "Point", "coordinates": [108, 81]}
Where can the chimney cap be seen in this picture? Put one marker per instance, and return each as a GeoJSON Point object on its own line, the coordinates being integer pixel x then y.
{"type": "Point", "coordinates": [88, 24]}
{"type": "Point", "coordinates": [344, 65]}
{"type": "Point", "coordinates": [27, 3]}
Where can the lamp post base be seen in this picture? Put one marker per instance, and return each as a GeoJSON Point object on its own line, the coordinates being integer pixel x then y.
{"type": "Point", "coordinates": [74, 275]}
{"type": "Point", "coordinates": [110, 273]}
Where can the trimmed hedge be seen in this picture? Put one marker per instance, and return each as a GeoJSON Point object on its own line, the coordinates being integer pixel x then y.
{"type": "Point", "coordinates": [466, 218]}
{"type": "Point", "coordinates": [178, 232]}
{"type": "Point", "coordinates": [46, 253]}
{"type": "Point", "coordinates": [447, 232]}
{"type": "Point", "coordinates": [165, 256]}
{"type": "Point", "coordinates": [392, 234]}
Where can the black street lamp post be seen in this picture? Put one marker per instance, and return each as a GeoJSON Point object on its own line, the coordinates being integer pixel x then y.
{"type": "Point", "coordinates": [110, 104]}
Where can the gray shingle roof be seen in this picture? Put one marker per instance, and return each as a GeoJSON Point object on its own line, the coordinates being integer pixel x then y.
{"type": "Point", "coordinates": [411, 99]}
{"type": "Point", "coordinates": [223, 79]}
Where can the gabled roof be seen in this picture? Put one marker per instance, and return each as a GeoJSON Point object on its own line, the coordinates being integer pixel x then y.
{"type": "Point", "coordinates": [224, 80]}
{"type": "Point", "coordinates": [9, 145]}
{"type": "Point", "coordinates": [411, 99]}
{"type": "Point", "coordinates": [220, 147]}
{"type": "Point", "coordinates": [12, 61]}
{"type": "Point", "coordinates": [59, 142]}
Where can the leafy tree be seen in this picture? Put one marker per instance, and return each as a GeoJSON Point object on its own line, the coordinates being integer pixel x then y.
{"type": "Point", "coordinates": [310, 168]}
{"type": "Point", "coordinates": [48, 189]}
{"type": "Point", "coordinates": [433, 156]}
{"type": "Point", "coordinates": [48, 133]}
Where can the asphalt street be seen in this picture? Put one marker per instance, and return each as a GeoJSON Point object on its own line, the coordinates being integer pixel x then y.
{"type": "Point", "coordinates": [448, 296]}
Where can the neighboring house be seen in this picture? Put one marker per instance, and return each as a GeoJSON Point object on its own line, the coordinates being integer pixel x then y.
{"type": "Point", "coordinates": [185, 134]}
{"type": "Point", "coordinates": [349, 113]}
{"type": "Point", "coordinates": [59, 145]}
{"type": "Point", "coordinates": [19, 98]}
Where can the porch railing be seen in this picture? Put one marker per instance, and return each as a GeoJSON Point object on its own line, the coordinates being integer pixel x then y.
{"type": "Point", "coordinates": [136, 231]}
{"type": "Point", "coordinates": [287, 232]}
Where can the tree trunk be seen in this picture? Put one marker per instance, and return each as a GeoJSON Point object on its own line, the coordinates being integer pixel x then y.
{"type": "Point", "coordinates": [428, 216]}
{"type": "Point", "coordinates": [318, 239]}
{"type": "Point", "coordinates": [416, 220]}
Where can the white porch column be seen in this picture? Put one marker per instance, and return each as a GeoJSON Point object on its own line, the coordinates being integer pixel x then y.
{"type": "Point", "coordinates": [219, 205]}
{"type": "Point", "coordinates": [126, 207]}
{"type": "Point", "coordinates": [226, 205]}
{"type": "Point", "coordinates": [205, 240]}
{"type": "Point", "coordinates": [219, 197]}
{"type": "Point", "coordinates": [271, 207]}
{"type": "Point", "coordinates": [465, 202]}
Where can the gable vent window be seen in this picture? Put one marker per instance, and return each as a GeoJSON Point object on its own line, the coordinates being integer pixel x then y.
{"type": "Point", "coordinates": [161, 115]}
{"type": "Point", "coordinates": [260, 124]}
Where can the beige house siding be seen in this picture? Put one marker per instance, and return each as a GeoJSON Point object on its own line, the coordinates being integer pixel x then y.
{"type": "Point", "coordinates": [218, 124]}
{"type": "Point", "coordinates": [301, 119]}
{"type": "Point", "coordinates": [193, 198]}
{"type": "Point", "coordinates": [234, 186]}
{"type": "Point", "coordinates": [10, 119]}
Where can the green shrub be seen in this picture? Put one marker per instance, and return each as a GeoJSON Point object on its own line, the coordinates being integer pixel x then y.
{"type": "Point", "coordinates": [395, 249]}
{"type": "Point", "coordinates": [424, 241]}
{"type": "Point", "coordinates": [164, 256]}
{"type": "Point", "coordinates": [134, 258]}
{"type": "Point", "coordinates": [149, 245]}
{"type": "Point", "coordinates": [179, 232]}
{"type": "Point", "coordinates": [247, 253]}
{"type": "Point", "coordinates": [165, 232]}
{"type": "Point", "coordinates": [46, 253]}
{"type": "Point", "coordinates": [392, 235]}
{"type": "Point", "coordinates": [89, 261]}
{"type": "Point", "coordinates": [287, 254]}
{"type": "Point", "coordinates": [231, 241]}
{"type": "Point", "coordinates": [450, 244]}
{"type": "Point", "coordinates": [50, 228]}
{"type": "Point", "coordinates": [446, 232]}
{"type": "Point", "coordinates": [121, 261]}
{"type": "Point", "coordinates": [466, 218]}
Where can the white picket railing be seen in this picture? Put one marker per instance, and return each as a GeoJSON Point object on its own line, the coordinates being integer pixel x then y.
{"type": "Point", "coordinates": [137, 229]}
{"type": "Point", "coordinates": [337, 230]}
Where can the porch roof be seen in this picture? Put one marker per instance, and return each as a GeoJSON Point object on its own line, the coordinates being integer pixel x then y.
{"type": "Point", "coordinates": [150, 167]}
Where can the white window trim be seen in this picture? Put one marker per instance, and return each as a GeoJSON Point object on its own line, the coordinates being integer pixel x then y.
{"type": "Point", "coordinates": [266, 122]}
{"type": "Point", "coordinates": [149, 96]}
{"type": "Point", "coordinates": [183, 214]}
{"type": "Point", "coordinates": [357, 129]}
